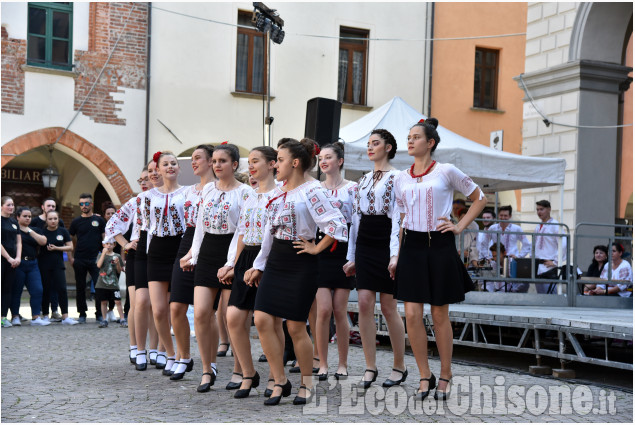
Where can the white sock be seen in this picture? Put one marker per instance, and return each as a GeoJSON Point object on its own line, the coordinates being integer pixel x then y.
{"type": "Point", "coordinates": [214, 368]}
{"type": "Point", "coordinates": [181, 367]}
{"type": "Point", "coordinates": [141, 357]}
{"type": "Point", "coordinates": [133, 351]}
{"type": "Point", "coordinates": [163, 356]}
{"type": "Point", "coordinates": [170, 363]}
{"type": "Point", "coordinates": [151, 352]}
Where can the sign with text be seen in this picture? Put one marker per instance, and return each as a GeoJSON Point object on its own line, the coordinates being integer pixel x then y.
{"type": "Point", "coordinates": [21, 175]}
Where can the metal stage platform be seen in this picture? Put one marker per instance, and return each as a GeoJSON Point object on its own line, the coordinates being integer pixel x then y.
{"type": "Point", "coordinates": [586, 335]}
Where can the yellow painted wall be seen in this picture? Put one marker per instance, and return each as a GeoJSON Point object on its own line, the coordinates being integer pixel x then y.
{"type": "Point", "coordinates": [626, 157]}
{"type": "Point", "coordinates": [453, 70]}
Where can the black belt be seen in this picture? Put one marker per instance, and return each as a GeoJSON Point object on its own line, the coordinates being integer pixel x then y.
{"type": "Point", "coordinates": [28, 258]}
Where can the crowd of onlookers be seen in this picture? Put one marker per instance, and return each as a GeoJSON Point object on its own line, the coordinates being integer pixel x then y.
{"type": "Point", "coordinates": [36, 245]}
{"type": "Point", "coordinates": [493, 254]}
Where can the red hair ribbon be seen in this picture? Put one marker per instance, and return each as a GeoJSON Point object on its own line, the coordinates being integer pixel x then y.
{"type": "Point", "coordinates": [334, 246]}
{"type": "Point", "coordinates": [224, 143]}
{"type": "Point", "coordinates": [156, 157]}
{"type": "Point", "coordinates": [317, 149]}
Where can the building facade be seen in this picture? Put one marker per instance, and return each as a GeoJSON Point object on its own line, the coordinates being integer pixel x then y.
{"type": "Point", "coordinates": [473, 91]}
{"type": "Point", "coordinates": [65, 66]}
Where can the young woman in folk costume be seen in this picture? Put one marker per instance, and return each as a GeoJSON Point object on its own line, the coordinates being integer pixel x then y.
{"type": "Point", "coordinates": [429, 269]}
{"type": "Point", "coordinates": [182, 290]}
{"type": "Point", "coordinates": [248, 239]}
{"type": "Point", "coordinates": [289, 260]}
{"type": "Point", "coordinates": [119, 228]}
{"type": "Point", "coordinates": [373, 245]}
{"type": "Point", "coordinates": [216, 223]}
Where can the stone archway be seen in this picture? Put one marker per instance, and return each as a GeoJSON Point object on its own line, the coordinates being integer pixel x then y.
{"type": "Point", "coordinates": [71, 142]}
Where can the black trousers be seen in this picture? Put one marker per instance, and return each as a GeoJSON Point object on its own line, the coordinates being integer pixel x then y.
{"type": "Point", "coordinates": [55, 280]}
{"type": "Point", "coordinates": [82, 268]}
{"type": "Point", "coordinates": [8, 276]}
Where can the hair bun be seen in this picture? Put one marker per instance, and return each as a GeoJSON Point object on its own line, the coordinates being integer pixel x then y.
{"type": "Point", "coordinates": [309, 145]}
{"type": "Point", "coordinates": [339, 145]}
{"type": "Point", "coordinates": [433, 122]}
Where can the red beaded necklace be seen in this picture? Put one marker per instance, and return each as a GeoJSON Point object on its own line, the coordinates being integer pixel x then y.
{"type": "Point", "coordinates": [412, 170]}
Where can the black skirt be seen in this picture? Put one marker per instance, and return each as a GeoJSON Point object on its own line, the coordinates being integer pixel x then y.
{"type": "Point", "coordinates": [130, 269]}
{"type": "Point", "coordinates": [211, 257]}
{"type": "Point", "coordinates": [182, 284]}
{"type": "Point", "coordinates": [289, 283]}
{"type": "Point", "coordinates": [161, 255]}
{"type": "Point", "coordinates": [141, 262]}
{"type": "Point", "coordinates": [430, 269]}
{"type": "Point", "coordinates": [244, 296]}
{"type": "Point", "coordinates": [330, 272]}
{"type": "Point", "coordinates": [372, 254]}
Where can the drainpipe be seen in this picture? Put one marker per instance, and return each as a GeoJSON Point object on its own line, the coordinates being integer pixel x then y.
{"type": "Point", "coordinates": [148, 49]}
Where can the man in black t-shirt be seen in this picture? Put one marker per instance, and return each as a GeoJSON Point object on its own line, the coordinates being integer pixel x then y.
{"type": "Point", "coordinates": [40, 221]}
{"type": "Point", "coordinates": [89, 229]}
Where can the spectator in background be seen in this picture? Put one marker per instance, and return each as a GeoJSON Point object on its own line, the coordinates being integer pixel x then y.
{"type": "Point", "coordinates": [501, 286]}
{"type": "Point", "coordinates": [51, 263]}
{"type": "Point", "coordinates": [600, 257]}
{"type": "Point", "coordinates": [483, 238]}
{"type": "Point", "coordinates": [547, 247]}
{"type": "Point", "coordinates": [458, 205]}
{"type": "Point", "coordinates": [28, 272]}
{"type": "Point", "coordinates": [621, 271]}
{"type": "Point", "coordinates": [89, 229]}
{"type": "Point", "coordinates": [40, 221]}
{"type": "Point", "coordinates": [11, 255]}
{"type": "Point", "coordinates": [108, 209]}
{"type": "Point", "coordinates": [509, 240]}
{"type": "Point", "coordinates": [470, 253]}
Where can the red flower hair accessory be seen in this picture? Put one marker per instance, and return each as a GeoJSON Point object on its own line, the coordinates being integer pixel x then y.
{"type": "Point", "coordinates": [225, 142]}
{"type": "Point", "coordinates": [317, 149]}
{"type": "Point", "coordinates": [156, 157]}
{"type": "Point", "coordinates": [422, 121]}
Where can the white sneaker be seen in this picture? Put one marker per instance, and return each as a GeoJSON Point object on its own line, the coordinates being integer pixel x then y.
{"type": "Point", "coordinates": [69, 321]}
{"type": "Point", "coordinates": [16, 321]}
{"type": "Point", "coordinates": [111, 316]}
{"type": "Point", "coordinates": [40, 322]}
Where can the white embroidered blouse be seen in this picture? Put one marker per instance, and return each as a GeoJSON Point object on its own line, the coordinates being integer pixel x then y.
{"type": "Point", "coordinates": [377, 200]}
{"type": "Point", "coordinates": [426, 199]}
{"type": "Point", "coordinates": [192, 203]}
{"type": "Point", "coordinates": [297, 214]}
{"type": "Point", "coordinates": [218, 214]}
{"type": "Point", "coordinates": [120, 221]}
{"type": "Point", "coordinates": [167, 216]}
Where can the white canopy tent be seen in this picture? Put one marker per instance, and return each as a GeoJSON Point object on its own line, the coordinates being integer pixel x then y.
{"type": "Point", "coordinates": [491, 169]}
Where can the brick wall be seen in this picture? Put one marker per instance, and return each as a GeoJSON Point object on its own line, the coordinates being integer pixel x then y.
{"type": "Point", "coordinates": [13, 57]}
{"type": "Point", "coordinates": [127, 67]}
{"type": "Point", "coordinates": [549, 27]}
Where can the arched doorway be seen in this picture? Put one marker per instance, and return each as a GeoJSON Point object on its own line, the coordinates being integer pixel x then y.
{"type": "Point", "coordinates": [96, 161]}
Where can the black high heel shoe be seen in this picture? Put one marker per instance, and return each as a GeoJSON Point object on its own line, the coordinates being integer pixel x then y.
{"type": "Point", "coordinates": [268, 391]}
{"type": "Point", "coordinates": [341, 376]}
{"type": "Point", "coordinates": [432, 382]}
{"type": "Point", "coordinates": [234, 385]}
{"type": "Point", "coordinates": [133, 359]}
{"type": "Point", "coordinates": [366, 384]}
{"type": "Point", "coordinates": [180, 375]}
{"type": "Point", "coordinates": [167, 371]}
{"type": "Point", "coordinates": [141, 366]}
{"type": "Point", "coordinates": [390, 383]}
{"type": "Point", "coordinates": [323, 376]}
{"type": "Point", "coordinates": [302, 400]}
{"type": "Point", "coordinates": [203, 388]}
{"type": "Point", "coordinates": [286, 392]}
{"type": "Point", "coordinates": [161, 365]}
{"type": "Point", "coordinates": [222, 353]}
{"type": "Point", "coordinates": [443, 395]}
{"type": "Point", "coordinates": [244, 393]}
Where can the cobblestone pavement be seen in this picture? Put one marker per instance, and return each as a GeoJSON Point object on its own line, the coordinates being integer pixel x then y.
{"type": "Point", "coordinates": [82, 374]}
